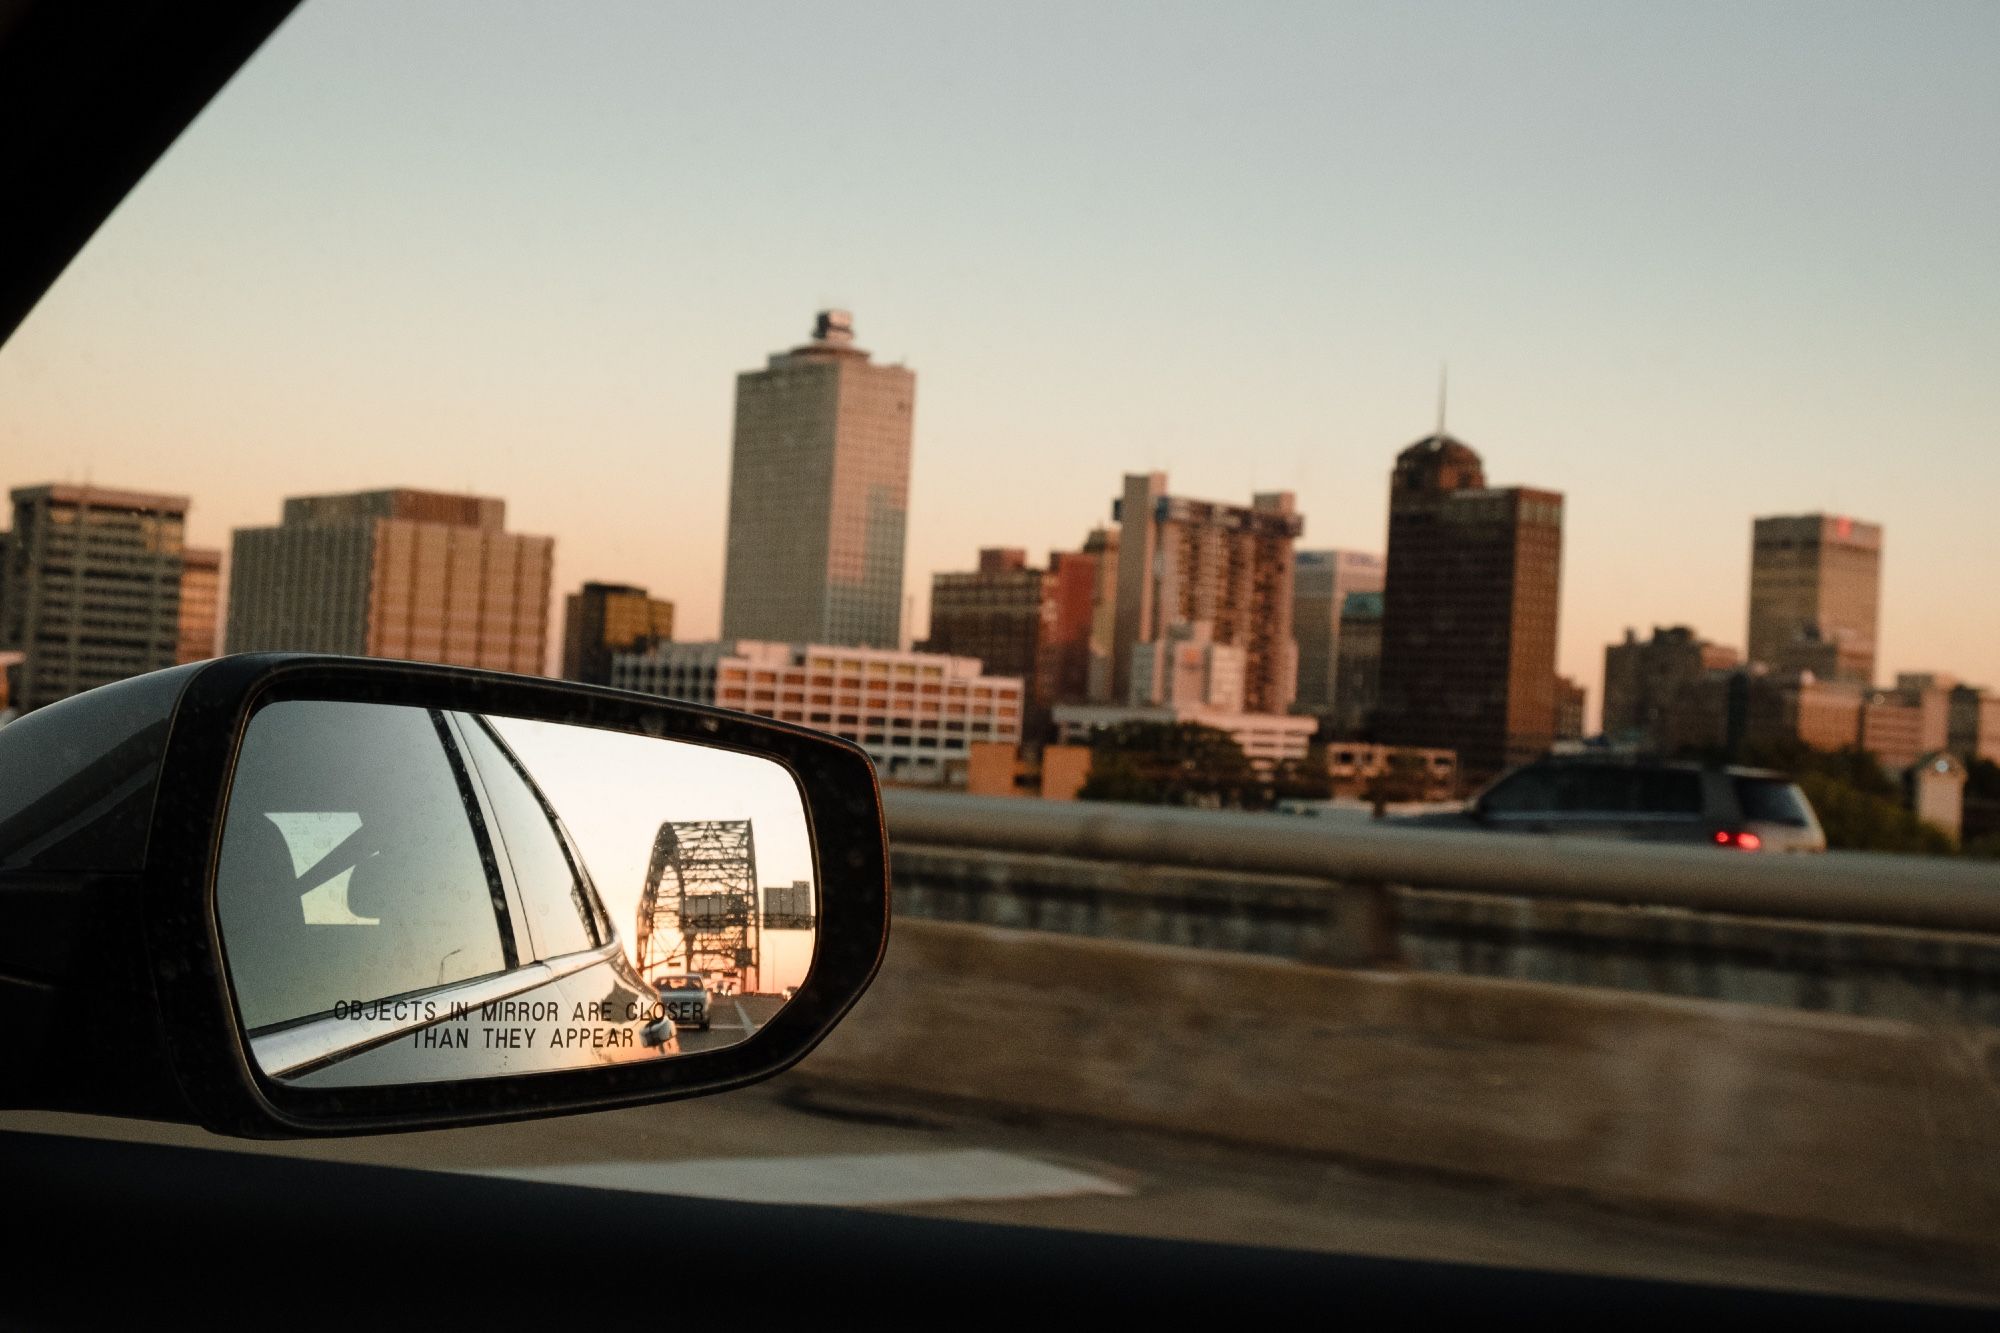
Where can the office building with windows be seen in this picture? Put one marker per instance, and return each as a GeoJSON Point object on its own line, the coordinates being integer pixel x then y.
{"type": "Point", "coordinates": [819, 485]}
{"type": "Point", "coordinates": [1021, 621]}
{"type": "Point", "coordinates": [1183, 561]}
{"type": "Point", "coordinates": [1266, 739]}
{"type": "Point", "coordinates": [201, 604]}
{"type": "Point", "coordinates": [1815, 595]}
{"type": "Point", "coordinates": [605, 619]}
{"type": "Point", "coordinates": [421, 575]}
{"type": "Point", "coordinates": [1647, 681]}
{"type": "Point", "coordinates": [1358, 674]}
{"type": "Point", "coordinates": [1321, 584]}
{"type": "Point", "coordinates": [1469, 611]}
{"type": "Point", "coordinates": [90, 587]}
{"type": "Point", "coordinates": [916, 714]}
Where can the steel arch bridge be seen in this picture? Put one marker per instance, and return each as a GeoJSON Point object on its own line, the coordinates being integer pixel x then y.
{"type": "Point", "coordinates": [699, 911]}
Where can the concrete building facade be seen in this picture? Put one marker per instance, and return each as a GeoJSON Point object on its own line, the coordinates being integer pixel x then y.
{"type": "Point", "coordinates": [604, 619]}
{"type": "Point", "coordinates": [1815, 579]}
{"type": "Point", "coordinates": [1469, 611]}
{"type": "Point", "coordinates": [1183, 561]}
{"type": "Point", "coordinates": [1187, 668]}
{"type": "Point", "coordinates": [1322, 581]}
{"type": "Point", "coordinates": [818, 495]}
{"type": "Point", "coordinates": [92, 587]}
{"type": "Point", "coordinates": [419, 575]}
{"type": "Point", "coordinates": [917, 714]}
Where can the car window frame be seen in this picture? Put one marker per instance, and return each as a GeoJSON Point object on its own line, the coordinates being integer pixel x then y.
{"type": "Point", "coordinates": [529, 951]}
{"type": "Point", "coordinates": [504, 916]}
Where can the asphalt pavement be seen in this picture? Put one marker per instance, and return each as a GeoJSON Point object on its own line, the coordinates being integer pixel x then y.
{"type": "Point", "coordinates": [793, 1140]}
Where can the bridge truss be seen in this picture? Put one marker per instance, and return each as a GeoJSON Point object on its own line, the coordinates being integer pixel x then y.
{"type": "Point", "coordinates": [699, 911]}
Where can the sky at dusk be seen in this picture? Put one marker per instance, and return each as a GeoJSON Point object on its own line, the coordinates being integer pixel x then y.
{"type": "Point", "coordinates": [1687, 264]}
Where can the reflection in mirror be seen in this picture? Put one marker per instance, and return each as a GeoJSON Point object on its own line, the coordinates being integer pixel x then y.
{"type": "Point", "coordinates": [409, 894]}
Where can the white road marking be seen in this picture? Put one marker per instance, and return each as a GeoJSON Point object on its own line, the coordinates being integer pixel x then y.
{"type": "Point", "coordinates": [850, 1180]}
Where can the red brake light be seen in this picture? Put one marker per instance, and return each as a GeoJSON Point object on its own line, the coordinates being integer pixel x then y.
{"type": "Point", "coordinates": [1747, 842]}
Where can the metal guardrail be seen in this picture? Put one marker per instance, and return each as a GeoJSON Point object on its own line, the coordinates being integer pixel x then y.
{"type": "Point", "coordinates": [1862, 888]}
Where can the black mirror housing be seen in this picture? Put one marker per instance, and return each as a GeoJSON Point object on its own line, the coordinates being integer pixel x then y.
{"type": "Point", "coordinates": [112, 963]}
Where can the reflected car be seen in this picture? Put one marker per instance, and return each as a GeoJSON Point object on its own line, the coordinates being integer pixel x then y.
{"type": "Point", "coordinates": [686, 998]}
{"type": "Point", "coordinates": [1743, 809]}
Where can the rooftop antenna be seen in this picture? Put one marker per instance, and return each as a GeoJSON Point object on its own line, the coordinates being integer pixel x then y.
{"type": "Point", "coordinates": [1444, 372]}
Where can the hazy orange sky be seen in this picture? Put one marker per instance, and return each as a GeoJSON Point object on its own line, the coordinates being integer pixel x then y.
{"type": "Point", "coordinates": [1686, 267]}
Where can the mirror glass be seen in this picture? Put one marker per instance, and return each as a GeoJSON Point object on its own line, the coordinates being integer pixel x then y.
{"type": "Point", "coordinates": [409, 894]}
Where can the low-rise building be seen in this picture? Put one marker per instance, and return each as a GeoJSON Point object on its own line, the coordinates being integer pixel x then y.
{"type": "Point", "coordinates": [1429, 775]}
{"type": "Point", "coordinates": [1266, 739]}
{"type": "Point", "coordinates": [916, 714]}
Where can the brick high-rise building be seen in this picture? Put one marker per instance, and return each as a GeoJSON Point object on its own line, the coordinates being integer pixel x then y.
{"type": "Point", "coordinates": [1020, 621]}
{"type": "Point", "coordinates": [994, 613]}
{"type": "Point", "coordinates": [1183, 561]}
{"type": "Point", "coordinates": [1815, 579]}
{"type": "Point", "coordinates": [92, 583]}
{"type": "Point", "coordinates": [605, 619]}
{"type": "Point", "coordinates": [1321, 582]}
{"type": "Point", "coordinates": [420, 575]}
{"type": "Point", "coordinates": [819, 486]}
{"type": "Point", "coordinates": [1469, 611]}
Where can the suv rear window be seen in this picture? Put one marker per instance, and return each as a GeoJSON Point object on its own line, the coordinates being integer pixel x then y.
{"type": "Point", "coordinates": [1773, 801]}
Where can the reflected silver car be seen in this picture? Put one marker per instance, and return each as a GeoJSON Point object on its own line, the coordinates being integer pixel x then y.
{"type": "Point", "coordinates": [686, 997]}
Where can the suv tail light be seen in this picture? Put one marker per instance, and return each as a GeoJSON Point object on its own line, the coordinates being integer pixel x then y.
{"type": "Point", "coordinates": [1742, 840]}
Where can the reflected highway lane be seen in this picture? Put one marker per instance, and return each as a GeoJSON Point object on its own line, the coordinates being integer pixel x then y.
{"type": "Point", "coordinates": [731, 1019]}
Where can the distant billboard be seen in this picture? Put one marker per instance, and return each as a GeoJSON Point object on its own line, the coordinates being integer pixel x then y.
{"type": "Point", "coordinates": [789, 906]}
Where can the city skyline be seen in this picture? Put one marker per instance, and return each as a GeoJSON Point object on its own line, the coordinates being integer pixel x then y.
{"type": "Point", "coordinates": [561, 603]}
{"type": "Point", "coordinates": [1675, 307]}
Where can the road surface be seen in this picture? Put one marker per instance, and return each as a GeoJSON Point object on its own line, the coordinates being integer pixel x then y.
{"type": "Point", "coordinates": [792, 1140]}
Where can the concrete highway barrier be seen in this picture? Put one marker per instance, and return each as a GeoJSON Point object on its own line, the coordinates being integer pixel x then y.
{"type": "Point", "coordinates": [1867, 1126]}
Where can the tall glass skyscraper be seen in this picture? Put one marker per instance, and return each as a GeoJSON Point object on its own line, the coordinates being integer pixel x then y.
{"type": "Point", "coordinates": [819, 491]}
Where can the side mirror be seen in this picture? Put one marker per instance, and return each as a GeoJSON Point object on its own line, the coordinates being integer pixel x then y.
{"type": "Point", "coordinates": [353, 894]}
